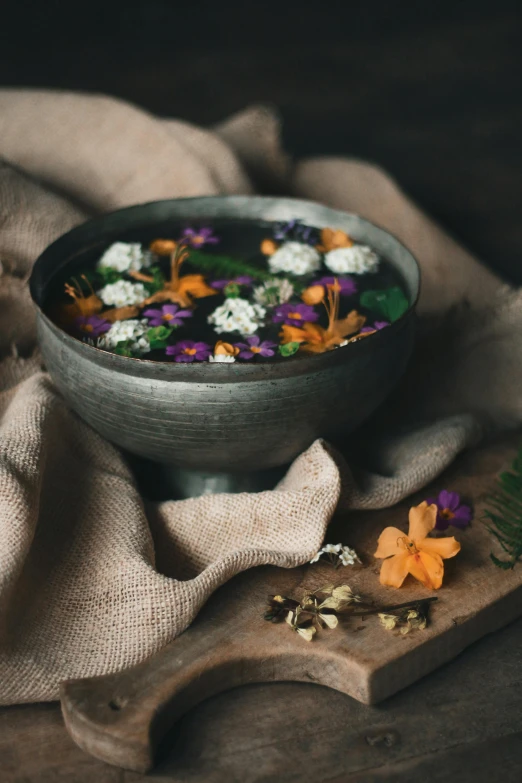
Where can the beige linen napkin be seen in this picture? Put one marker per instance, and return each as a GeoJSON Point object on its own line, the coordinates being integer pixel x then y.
{"type": "Point", "coordinates": [81, 591]}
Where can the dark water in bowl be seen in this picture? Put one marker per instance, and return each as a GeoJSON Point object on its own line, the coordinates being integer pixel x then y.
{"type": "Point", "coordinates": [240, 240]}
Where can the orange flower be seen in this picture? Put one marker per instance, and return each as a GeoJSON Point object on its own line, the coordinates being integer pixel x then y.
{"type": "Point", "coordinates": [313, 295]}
{"type": "Point", "coordinates": [268, 247]}
{"type": "Point", "coordinates": [225, 349]}
{"type": "Point", "coordinates": [317, 339]}
{"type": "Point", "coordinates": [120, 313]}
{"type": "Point", "coordinates": [414, 553]}
{"type": "Point", "coordinates": [332, 238]}
{"type": "Point", "coordinates": [163, 247]}
{"type": "Point", "coordinates": [82, 305]}
{"type": "Point", "coordinates": [180, 290]}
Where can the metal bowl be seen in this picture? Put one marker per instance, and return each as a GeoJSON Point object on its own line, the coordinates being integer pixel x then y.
{"type": "Point", "coordinates": [223, 417]}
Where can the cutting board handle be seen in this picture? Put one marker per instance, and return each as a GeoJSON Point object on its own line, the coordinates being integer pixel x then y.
{"type": "Point", "coordinates": [121, 718]}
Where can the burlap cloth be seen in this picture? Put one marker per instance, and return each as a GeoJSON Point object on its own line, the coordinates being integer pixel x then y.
{"type": "Point", "coordinates": [81, 589]}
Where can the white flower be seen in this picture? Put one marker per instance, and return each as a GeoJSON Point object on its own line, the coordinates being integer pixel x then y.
{"type": "Point", "coordinates": [316, 557]}
{"type": "Point", "coordinates": [355, 260]}
{"type": "Point", "coordinates": [221, 357]}
{"type": "Point", "coordinates": [348, 556]}
{"type": "Point", "coordinates": [134, 329]}
{"type": "Point", "coordinates": [335, 548]}
{"type": "Point", "coordinates": [125, 256]}
{"type": "Point", "coordinates": [295, 258]}
{"type": "Point", "coordinates": [273, 292]}
{"type": "Point", "coordinates": [237, 315]}
{"type": "Point", "coordinates": [122, 293]}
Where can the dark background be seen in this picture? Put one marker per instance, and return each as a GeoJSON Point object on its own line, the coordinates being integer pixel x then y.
{"type": "Point", "coordinates": [430, 90]}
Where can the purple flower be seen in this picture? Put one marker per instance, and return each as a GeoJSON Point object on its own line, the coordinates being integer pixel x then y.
{"type": "Point", "coordinates": [189, 351]}
{"type": "Point", "coordinates": [92, 325]}
{"type": "Point", "coordinates": [294, 230]}
{"type": "Point", "coordinates": [294, 314]}
{"type": "Point", "coordinates": [450, 510]}
{"type": "Point", "coordinates": [375, 328]}
{"type": "Point", "coordinates": [199, 238]}
{"type": "Point", "coordinates": [241, 280]}
{"type": "Point", "coordinates": [347, 285]}
{"type": "Point", "coordinates": [168, 315]}
{"type": "Point", "coordinates": [254, 346]}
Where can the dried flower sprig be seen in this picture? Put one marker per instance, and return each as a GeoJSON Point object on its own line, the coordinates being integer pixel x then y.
{"type": "Point", "coordinates": [338, 555]}
{"type": "Point", "coordinates": [321, 609]}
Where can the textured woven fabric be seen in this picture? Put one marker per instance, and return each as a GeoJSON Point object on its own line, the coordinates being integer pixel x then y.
{"type": "Point", "coordinates": [91, 579]}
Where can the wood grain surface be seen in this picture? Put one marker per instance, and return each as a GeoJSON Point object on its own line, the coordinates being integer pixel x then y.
{"type": "Point", "coordinates": [121, 718]}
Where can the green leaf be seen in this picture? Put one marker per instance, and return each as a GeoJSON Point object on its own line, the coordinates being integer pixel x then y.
{"type": "Point", "coordinates": [505, 514]}
{"type": "Point", "coordinates": [224, 266]}
{"type": "Point", "coordinates": [390, 303]}
{"type": "Point", "coordinates": [158, 345]}
{"type": "Point", "coordinates": [232, 291]}
{"type": "Point", "coordinates": [108, 275]}
{"type": "Point", "coordinates": [288, 349]}
{"type": "Point", "coordinates": [123, 348]}
{"type": "Point", "coordinates": [160, 333]}
{"type": "Point", "coordinates": [158, 280]}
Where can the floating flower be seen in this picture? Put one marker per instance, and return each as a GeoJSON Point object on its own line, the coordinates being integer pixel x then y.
{"type": "Point", "coordinates": [273, 292]}
{"type": "Point", "coordinates": [333, 238]}
{"type": "Point", "coordinates": [294, 314]}
{"type": "Point", "coordinates": [133, 332]}
{"type": "Point", "coordinates": [378, 325]}
{"type": "Point", "coordinates": [122, 293]}
{"type": "Point", "coordinates": [254, 347]}
{"type": "Point", "coordinates": [316, 339]}
{"type": "Point", "coordinates": [198, 238]}
{"type": "Point", "coordinates": [356, 260]}
{"type": "Point", "coordinates": [415, 553]}
{"type": "Point", "coordinates": [181, 290]}
{"type": "Point", "coordinates": [163, 247]}
{"type": "Point", "coordinates": [268, 247]}
{"type": "Point", "coordinates": [450, 511]}
{"type": "Point", "coordinates": [124, 256]}
{"type": "Point", "coordinates": [189, 351]}
{"type": "Point", "coordinates": [295, 230]}
{"type": "Point", "coordinates": [224, 352]}
{"type": "Point", "coordinates": [347, 285]}
{"type": "Point", "coordinates": [232, 288]}
{"type": "Point", "coordinates": [92, 325]}
{"type": "Point", "coordinates": [169, 315]}
{"type": "Point", "coordinates": [237, 315]}
{"type": "Point", "coordinates": [82, 304]}
{"type": "Point", "coordinates": [295, 258]}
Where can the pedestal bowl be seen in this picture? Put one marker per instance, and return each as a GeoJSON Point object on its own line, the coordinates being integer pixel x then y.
{"type": "Point", "coordinates": [212, 420]}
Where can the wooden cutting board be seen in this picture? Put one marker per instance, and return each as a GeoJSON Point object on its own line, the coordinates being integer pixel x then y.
{"type": "Point", "coordinates": [121, 718]}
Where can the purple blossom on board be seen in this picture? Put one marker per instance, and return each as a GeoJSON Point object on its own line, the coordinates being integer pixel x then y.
{"type": "Point", "coordinates": [241, 280]}
{"type": "Point", "coordinates": [189, 351]}
{"type": "Point", "coordinates": [168, 315]}
{"type": "Point", "coordinates": [378, 325]}
{"type": "Point", "coordinates": [294, 314]}
{"type": "Point", "coordinates": [347, 285]}
{"type": "Point", "coordinates": [198, 237]}
{"type": "Point", "coordinates": [295, 231]}
{"type": "Point", "coordinates": [450, 511]}
{"type": "Point", "coordinates": [92, 325]}
{"type": "Point", "coordinates": [253, 347]}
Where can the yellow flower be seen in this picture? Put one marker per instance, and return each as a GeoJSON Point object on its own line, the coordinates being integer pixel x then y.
{"type": "Point", "coordinates": [268, 247]}
{"type": "Point", "coordinates": [414, 553]}
{"type": "Point", "coordinates": [226, 349]}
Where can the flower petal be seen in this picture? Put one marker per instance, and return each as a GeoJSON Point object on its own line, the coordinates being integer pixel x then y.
{"type": "Point", "coordinates": [395, 570]}
{"type": "Point", "coordinates": [390, 542]}
{"type": "Point", "coordinates": [422, 520]}
{"type": "Point", "coordinates": [444, 547]}
{"type": "Point", "coordinates": [427, 568]}
{"type": "Point", "coordinates": [463, 513]}
{"type": "Point", "coordinates": [449, 500]}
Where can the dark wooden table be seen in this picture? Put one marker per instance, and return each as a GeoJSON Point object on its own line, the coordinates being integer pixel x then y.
{"type": "Point", "coordinates": [431, 92]}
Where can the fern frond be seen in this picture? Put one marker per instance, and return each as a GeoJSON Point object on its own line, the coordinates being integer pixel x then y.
{"type": "Point", "coordinates": [504, 515]}
{"type": "Point", "coordinates": [226, 267]}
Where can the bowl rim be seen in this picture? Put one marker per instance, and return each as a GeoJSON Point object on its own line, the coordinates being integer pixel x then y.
{"type": "Point", "coordinates": [217, 371]}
